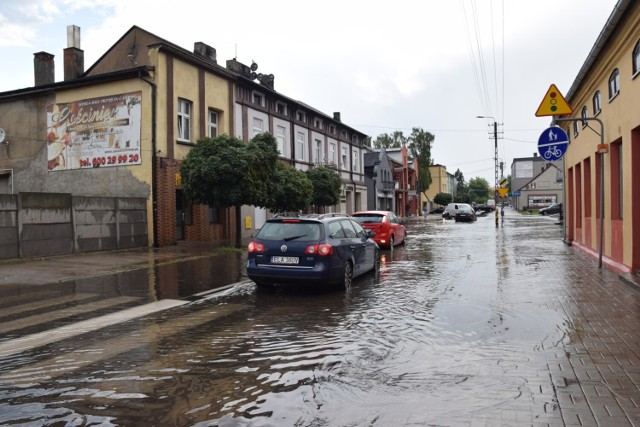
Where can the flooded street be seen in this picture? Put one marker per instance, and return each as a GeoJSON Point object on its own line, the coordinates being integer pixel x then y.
{"type": "Point", "coordinates": [467, 324]}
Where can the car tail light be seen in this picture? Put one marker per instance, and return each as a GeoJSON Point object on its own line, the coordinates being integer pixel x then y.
{"type": "Point", "coordinates": [255, 247]}
{"type": "Point", "coordinates": [322, 249]}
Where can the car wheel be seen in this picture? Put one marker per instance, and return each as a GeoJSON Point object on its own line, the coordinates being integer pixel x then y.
{"type": "Point", "coordinates": [348, 276]}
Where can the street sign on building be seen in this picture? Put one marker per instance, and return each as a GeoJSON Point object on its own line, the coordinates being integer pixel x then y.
{"type": "Point", "coordinates": [553, 143]}
{"type": "Point", "coordinates": [516, 194]}
{"type": "Point", "coordinates": [553, 104]}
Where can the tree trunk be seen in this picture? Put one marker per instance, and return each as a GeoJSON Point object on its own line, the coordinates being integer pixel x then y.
{"type": "Point", "coordinates": [238, 226]}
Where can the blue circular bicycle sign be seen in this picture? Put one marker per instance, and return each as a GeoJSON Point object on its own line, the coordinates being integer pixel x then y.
{"type": "Point", "coordinates": [553, 143]}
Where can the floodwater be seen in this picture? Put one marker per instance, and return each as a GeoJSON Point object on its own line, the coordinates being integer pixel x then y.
{"type": "Point", "coordinates": [458, 328]}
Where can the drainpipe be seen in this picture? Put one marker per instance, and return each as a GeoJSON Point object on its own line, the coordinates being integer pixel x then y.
{"type": "Point", "coordinates": [154, 159]}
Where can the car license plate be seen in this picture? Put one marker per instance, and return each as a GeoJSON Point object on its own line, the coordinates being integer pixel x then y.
{"type": "Point", "coordinates": [285, 260]}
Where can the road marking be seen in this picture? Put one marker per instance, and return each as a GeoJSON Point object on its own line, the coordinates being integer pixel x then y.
{"type": "Point", "coordinates": [30, 342]}
{"type": "Point", "coordinates": [37, 305]}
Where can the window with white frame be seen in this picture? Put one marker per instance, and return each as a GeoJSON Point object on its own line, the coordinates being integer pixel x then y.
{"type": "Point", "coordinates": [300, 146]}
{"type": "Point", "coordinates": [345, 165]}
{"type": "Point", "coordinates": [317, 123]}
{"type": "Point", "coordinates": [300, 116]}
{"type": "Point", "coordinates": [354, 161]}
{"type": "Point", "coordinates": [332, 153]}
{"type": "Point", "coordinates": [583, 114]}
{"type": "Point", "coordinates": [258, 126]}
{"type": "Point", "coordinates": [614, 84]}
{"type": "Point", "coordinates": [258, 98]}
{"type": "Point", "coordinates": [332, 129]}
{"type": "Point", "coordinates": [213, 123]}
{"type": "Point", "coordinates": [281, 108]}
{"type": "Point", "coordinates": [597, 104]}
{"type": "Point", "coordinates": [184, 120]}
{"type": "Point", "coordinates": [317, 151]}
{"type": "Point", "coordinates": [575, 129]}
{"type": "Point", "coordinates": [281, 136]}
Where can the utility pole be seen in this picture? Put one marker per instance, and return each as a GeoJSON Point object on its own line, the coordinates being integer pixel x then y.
{"type": "Point", "coordinates": [495, 187]}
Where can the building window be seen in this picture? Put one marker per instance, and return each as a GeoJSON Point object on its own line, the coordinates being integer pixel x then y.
{"type": "Point", "coordinates": [213, 124]}
{"type": "Point", "coordinates": [318, 151]}
{"type": "Point", "coordinates": [596, 103]}
{"type": "Point", "coordinates": [300, 116]}
{"type": "Point", "coordinates": [332, 153]}
{"type": "Point", "coordinates": [258, 127]}
{"type": "Point", "coordinates": [184, 120]}
{"type": "Point", "coordinates": [332, 129]}
{"type": "Point", "coordinates": [583, 114]}
{"type": "Point", "coordinates": [354, 161]}
{"type": "Point", "coordinates": [258, 98]}
{"type": "Point", "coordinates": [281, 136]}
{"type": "Point", "coordinates": [281, 108]}
{"type": "Point", "coordinates": [614, 84]}
{"type": "Point", "coordinates": [317, 123]}
{"type": "Point", "coordinates": [345, 165]}
{"type": "Point", "coordinates": [300, 144]}
{"type": "Point", "coordinates": [575, 129]}
{"type": "Point", "coordinates": [636, 59]}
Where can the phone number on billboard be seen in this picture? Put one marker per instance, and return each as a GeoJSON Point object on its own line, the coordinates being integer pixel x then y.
{"type": "Point", "coordinates": [122, 159]}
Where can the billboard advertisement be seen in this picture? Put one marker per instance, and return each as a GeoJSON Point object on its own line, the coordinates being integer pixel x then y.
{"type": "Point", "coordinates": [96, 132]}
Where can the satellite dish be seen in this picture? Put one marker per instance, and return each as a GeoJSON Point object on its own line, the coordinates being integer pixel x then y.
{"type": "Point", "coordinates": [253, 76]}
{"type": "Point", "coordinates": [2, 135]}
{"type": "Point", "coordinates": [254, 66]}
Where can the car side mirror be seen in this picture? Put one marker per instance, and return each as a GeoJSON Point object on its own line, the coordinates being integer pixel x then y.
{"type": "Point", "coordinates": [370, 234]}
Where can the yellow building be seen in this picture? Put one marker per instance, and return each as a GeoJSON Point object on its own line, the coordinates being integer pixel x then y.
{"type": "Point", "coordinates": [602, 161]}
{"type": "Point", "coordinates": [439, 184]}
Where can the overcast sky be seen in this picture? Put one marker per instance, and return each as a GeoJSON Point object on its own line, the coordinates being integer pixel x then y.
{"type": "Point", "coordinates": [386, 66]}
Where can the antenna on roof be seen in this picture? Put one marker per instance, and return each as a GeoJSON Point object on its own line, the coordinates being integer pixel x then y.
{"type": "Point", "coordinates": [236, 55]}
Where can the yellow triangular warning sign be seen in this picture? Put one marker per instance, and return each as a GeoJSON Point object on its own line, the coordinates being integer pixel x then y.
{"type": "Point", "coordinates": [553, 104]}
{"type": "Point", "coordinates": [503, 191]}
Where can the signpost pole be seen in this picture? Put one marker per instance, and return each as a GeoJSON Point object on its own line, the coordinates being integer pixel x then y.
{"type": "Point", "coordinates": [495, 188]}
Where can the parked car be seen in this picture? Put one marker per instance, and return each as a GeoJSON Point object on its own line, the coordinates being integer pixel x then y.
{"type": "Point", "coordinates": [436, 210]}
{"type": "Point", "coordinates": [451, 209]}
{"type": "Point", "coordinates": [388, 228]}
{"type": "Point", "coordinates": [465, 213]}
{"type": "Point", "coordinates": [484, 208]}
{"type": "Point", "coordinates": [318, 249]}
{"type": "Point", "coordinates": [556, 208]}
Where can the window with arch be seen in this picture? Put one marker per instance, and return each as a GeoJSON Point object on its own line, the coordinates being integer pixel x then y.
{"type": "Point", "coordinates": [614, 84]}
{"type": "Point", "coordinates": [636, 59]}
{"type": "Point", "coordinates": [583, 114]}
{"type": "Point", "coordinates": [575, 129]}
{"type": "Point", "coordinates": [597, 104]}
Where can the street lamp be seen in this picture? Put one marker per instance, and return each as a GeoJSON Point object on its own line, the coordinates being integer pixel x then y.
{"type": "Point", "coordinates": [495, 139]}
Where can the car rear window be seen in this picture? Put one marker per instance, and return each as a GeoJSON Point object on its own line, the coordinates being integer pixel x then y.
{"type": "Point", "coordinates": [288, 231]}
{"type": "Point", "coordinates": [368, 219]}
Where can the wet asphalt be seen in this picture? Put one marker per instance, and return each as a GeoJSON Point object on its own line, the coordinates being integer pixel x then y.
{"type": "Point", "coordinates": [593, 363]}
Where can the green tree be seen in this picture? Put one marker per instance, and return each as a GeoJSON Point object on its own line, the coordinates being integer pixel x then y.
{"type": "Point", "coordinates": [460, 182]}
{"type": "Point", "coordinates": [292, 189]}
{"type": "Point", "coordinates": [225, 172]}
{"type": "Point", "coordinates": [442, 199]}
{"type": "Point", "coordinates": [420, 148]}
{"type": "Point", "coordinates": [478, 190]}
{"type": "Point", "coordinates": [394, 140]}
{"type": "Point", "coordinates": [326, 186]}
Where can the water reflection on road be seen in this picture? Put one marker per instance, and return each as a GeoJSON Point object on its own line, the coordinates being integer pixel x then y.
{"type": "Point", "coordinates": [458, 327]}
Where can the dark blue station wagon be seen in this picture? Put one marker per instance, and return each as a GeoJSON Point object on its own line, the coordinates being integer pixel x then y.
{"type": "Point", "coordinates": [328, 249]}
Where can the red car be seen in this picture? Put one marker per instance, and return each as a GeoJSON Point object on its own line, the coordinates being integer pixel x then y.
{"type": "Point", "coordinates": [388, 227]}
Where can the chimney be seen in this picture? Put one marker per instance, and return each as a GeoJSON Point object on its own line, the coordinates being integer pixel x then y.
{"type": "Point", "coordinates": [205, 51]}
{"type": "Point", "coordinates": [73, 55]}
{"type": "Point", "coordinates": [239, 67]}
{"type": "Point", "coordinates": [535, 154]}
{"type": "Point", "coordinates": [336, 116]}
{"type": "Point", "coordinates": [44, 68]}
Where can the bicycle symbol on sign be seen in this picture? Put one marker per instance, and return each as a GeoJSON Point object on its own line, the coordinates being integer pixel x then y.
{"type": "Point", "coordinates": [552, 152]}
